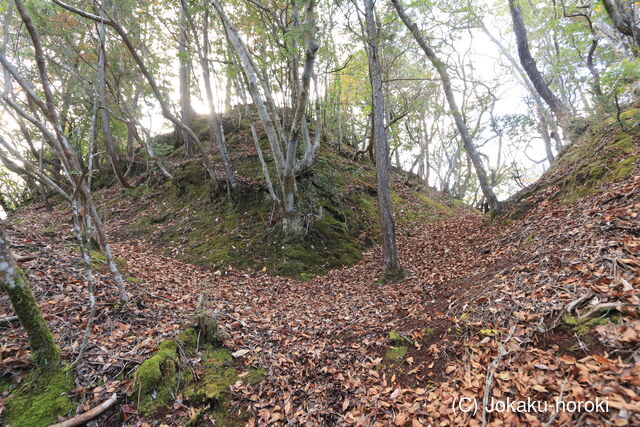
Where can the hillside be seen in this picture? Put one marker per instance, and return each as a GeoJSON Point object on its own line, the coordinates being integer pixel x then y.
{"type": "Point", "coordinates": [186, 218]}
{"type": "Point", "coordinates": [219, 213]}
{"type": "Point", "coordinates": [542, 300]}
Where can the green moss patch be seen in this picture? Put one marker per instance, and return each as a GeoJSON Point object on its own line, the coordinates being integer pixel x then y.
{"type": "Point", "coordinates": [134, 280]}
{"type": "Point", "coordinates": [583, 327]}
{"type": "Point", "coordinates": [398, 339]}
{"type": "Point", "coordinates": [395, 354]}
{"type": "Point", "coordinates": [154, 382]}
{"type": "Point", "coordinates": [40, 399]}
{"type": "Point", "coordinates": [159, 379]}
{"type": "Point", "coordinates": [605, 153]}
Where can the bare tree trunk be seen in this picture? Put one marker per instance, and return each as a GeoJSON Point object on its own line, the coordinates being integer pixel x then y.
{"type": "Point", "coordinates": [85, 255]}
{"type": "Point", "coordinates": [44, 349]}
{"type": "Point", "coordinates": [185, 78]}
{"type": "Point", "coordinates": [562, 111]}
{"type": "Point", "coordinates": [104, 106]}
{"type": "Point", "coordinates": [623, 16]}
{"type": "Point", "coordinates": [253, 83]}
{"type": "Point", "coordinates": [256, 142]}
{"type": "Point", "coordinates": [543, 128]}
{"type": "Point", "coordinates": [292, 219]}
{"type": "Point", "coordinates": [427, 140]}
{"type": "Point", "coordinates": [453, 106]}
{"type": "Point", "coordinates": [59, 142]}
{"type": "Point", "coordinates": [392, 268]}
{"type": "Point", "coordinates": [214, 121]}
{"type": "Point", "coordinates": [545, 120]}
{"type": "Point", "coordinates": [146, 141]}
{"type": "Point", "coordinates": [28, 169]}
{"type": "Point", "coordinates": [166, 112]}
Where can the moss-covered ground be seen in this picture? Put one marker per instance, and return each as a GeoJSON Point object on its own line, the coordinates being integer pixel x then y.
{"type": "Point", "coordinates": [41, 398]}
{"type": "Point", "coordinates": [606, 152]}
{"type": "Point", "coordinates": [596, 159]}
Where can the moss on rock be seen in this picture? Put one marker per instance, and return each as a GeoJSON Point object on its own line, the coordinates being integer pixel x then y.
{"type": "Point", "coordinates": [162, 377]}
{"type": "Point", "coordinates": [216, 380]}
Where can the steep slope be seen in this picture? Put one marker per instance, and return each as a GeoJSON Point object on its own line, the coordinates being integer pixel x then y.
{"type": "Point", "coordinates": [576, 227]}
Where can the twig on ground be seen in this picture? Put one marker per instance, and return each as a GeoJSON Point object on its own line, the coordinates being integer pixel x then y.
{"type": "Point", "coordinates": [219, 313]}
{"type": "Point", "coordinates": [553, 416]}
{"type": "Point", "coordinates": [160, 298]}
{"type": "Point", "coordinates": [607, 306]}
{"type": "Point", "coordinates": [576, 303]}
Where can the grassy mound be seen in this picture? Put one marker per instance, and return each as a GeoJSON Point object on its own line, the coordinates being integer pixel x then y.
{"type": "Point", "coordinates": [337, 198]}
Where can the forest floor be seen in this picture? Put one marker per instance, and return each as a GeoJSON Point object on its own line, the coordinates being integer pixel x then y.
{"type": "Point", "coordinates": [541, 303]}
{"type": "Point", "coordinates": [333, 348]}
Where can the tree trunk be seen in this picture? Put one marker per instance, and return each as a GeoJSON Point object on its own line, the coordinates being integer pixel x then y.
{"type": "Point", "coordinates": [545, 119]}
{"type": "Point", "coordinates": [70, 162]}
{"type": "Point", "coordinates": [164, 106]}
{"type": "Point", "coordinates": [214, 121]}
{"type": "Point", "coordinates": [392, 268]}
{"type": "Point", "coordinates": [253, 83]}
{"type": "Point", "coordinates": [185, 78]}
{"type": "Point", "coordinates": [256, 142]}
{"type": "Point", "coordinates": [622, 15]}
{"type": "Point", "coordinates": [562, 111]}
{"type": "Point", "coordinates": [104, 105]}
{"type": "Point", "coordinates": [453, 106]}
{"type": "Point", "coordinates": [291, 216]}
{"type": "Point", "coordinates": [44, 349]}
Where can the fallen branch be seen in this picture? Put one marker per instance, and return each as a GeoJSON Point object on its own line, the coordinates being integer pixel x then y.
{"type": "Point", "coordinates": [218, 313]}
{"type": "Point", "coordinates": [491, 372]}
{"type": "Point", "coordinates": [574, 304]}
{"type": "Point", "coordinates": [161, 298]}
{"type": "Point", "coordinates": [8, 319]}
{"type": "Point", "coordinates": [598, 308]}
{"type": "Point", "coordinates": [25, 258]}
{"type": "Point", "coordinates": [89, 415]}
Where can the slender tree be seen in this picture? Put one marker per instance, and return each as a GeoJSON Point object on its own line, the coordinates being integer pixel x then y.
{"type": "Point", "coordinates": [164, 105]}
{"type": "Point", "coordinates": [392, 268]}
{"type": "Point", "coordinates": [292, 219]}
{"type": "Point", "coordinates": [57, 139]}
{"type": "Point", "coordinates": [215, 128]}
{"type": "Point", "coordinates": [185, 80]}
{"type": "Point", "coordinates": [624, 15]}
{"type": "Point", "coordinates": [467, 140]}
{"type": "Point", "coordinates": [557, 106]}
{"type": "Point", "coordinates": [104, 105]}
